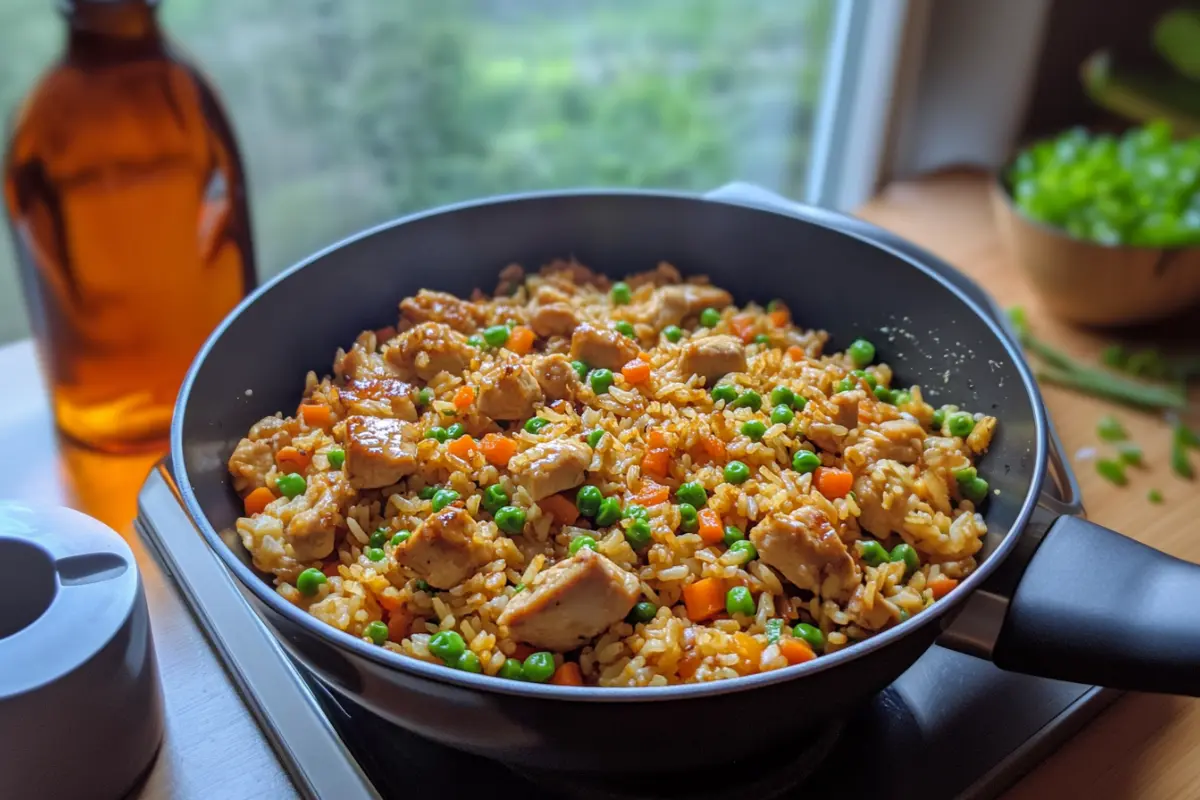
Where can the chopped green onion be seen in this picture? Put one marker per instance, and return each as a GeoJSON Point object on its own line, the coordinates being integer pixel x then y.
{"type": "Point", "coordinates": [1112, 471]}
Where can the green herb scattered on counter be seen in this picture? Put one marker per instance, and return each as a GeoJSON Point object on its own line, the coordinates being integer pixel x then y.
{"type": "Point", "coordinates": [1066, 371]}
{"type": "Point", "coordinates": [1112, 471]}
{"type": "Point", "coordinates": [1110, 429]}
{"type": "Point", "coordinates": [1181, 465]}
{"type": "Point", "coordinates": [1130, 453]}
{"type": "Point", "coordinates": [1154, 496]}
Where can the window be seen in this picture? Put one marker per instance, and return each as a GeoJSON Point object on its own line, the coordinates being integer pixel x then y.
{"type": "Point", "coordinates": [351, 112]}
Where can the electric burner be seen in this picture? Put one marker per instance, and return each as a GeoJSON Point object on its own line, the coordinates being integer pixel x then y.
{"type": "Point", "coordinates": [952, 726]}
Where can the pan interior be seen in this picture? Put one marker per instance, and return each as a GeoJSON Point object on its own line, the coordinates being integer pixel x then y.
{"type": "Point", "coordinates": [256, 363]}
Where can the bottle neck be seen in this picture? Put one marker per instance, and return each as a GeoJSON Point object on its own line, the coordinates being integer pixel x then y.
{"type": "Point", "coordinates": [95, 27]}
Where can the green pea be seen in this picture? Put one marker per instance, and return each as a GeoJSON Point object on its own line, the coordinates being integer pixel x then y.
{"type": "Point", "coordinates": [745, 549]}
{"type": "Point", "coordinates": [636, 512]}
{"type": "Point", "coordinates": [863, 375]}
{"type": "Point", "coordinates": [960, 423]}
{"type": "Point", "coordinates": [468, 662]}
{"type": "Point", "coordinates": [901, 397]}
{"type": "Point", "coordinates": [437, 432]}
{"type": "Point", "coordinates": [710, 317]}
{"type": "Point", "coordinates": [581, 369]}
{"type": "Point", "coordinates": [309, 582]}
{"type": "Point", "coordinates": [783, 396]}
{"type": "Point", "coordinates": [291, 485]}
{"type": "Point", "coordinates": [692, 493]}
{"type": "Point", "coordinates": [600, 380]}
{"type": "Point", "coordinates": [609, 512]}
{"type": "Point", "coordinates": [800, 403]}
{"type": "Point", "coordinates": [638, 534]}
{"type": "Point", "coordinates": [871, 552]}
{"type": "Point", "coordinates": [511, 670]}
{"type": "Point", "coordinates": [425, 396]}
{"type": "Point", "coordinates": [378, 537]}
{"type": "Point", "coordinates": [761, 338]}
{"type": "Point", "coordinates": [673, 333]}
{"type": "Point", "coordinates": [625, 329]}
{"type": "Point", "coordinates": [965, 474]}
{"type": "Point", "coordinates": [906, 553]}
{"type": "Point", "coordinates": [884, 395]}
{"type": "Point", "coordinates": [538, 667]}
{"type": "Point", "coordinates": [375, 553]}
{"type": "Point", "coordinates": [621, 294]}
{"type": "Point", "coordinates": [447, 645]}
{"type": "Point", "coordinates": [377, 632]}
{"type": "Point", "coordinates": [748, 399]}
{"type": "Point", "coordinates": [588, 500]}
{"type": "Point", "coordinates": [737, 472]}
{"type": "Point", "coordinates": [401, 537]}
{"type": "Point", "coordinates": [535, 424]}
{"type": "Point", "coordinates": [805, 461]}
{"type": "Point", "coordinates": [689, 520]}
{"type": "Point", "coordinates": [423, 586]}
{"type": "Point", "coordinates": [733, 534]}
{"type": "Point", "coordinates": [861, 352]}
{"type": "Point", "coordinates": [456, 431]}
{"type": "Point", "coordinates": [738, 600]}
{"type": "Point", "coordinates": [594, 438]}
{"type": "Point", "coordinates": [496, 335]}
{"type": "Point", "coordinates": [810, 634]}
{"type": "Point", "coordinates": [427, 493]}
{"type": "Point", "coordinates": [510, 519]}
{"type": "Point", "coordinates": [476, 341]}
{"type": "Point", "coordinates": [443, 498]}
{"type": "Point", "coordinates": [774, 630]}
{"type": "Point", "coordinates": [336, 458]}
{"type": "Point", "coordinates": [844, 385]}
{"type": "Point", "coordinates": [754, 429]}
{"type": "Point", "coordinates": [939, 419]}
{"type": "Point", "coordinates": [494, 498]}
{"type": "Point", "coordinates": [642, 612]}
{"type": "Point", "coordinates": [975, 490]}
{"type": "Point", "coordinates": [782, 415]}
{"type": "Point", "coordinates": [724, 391]}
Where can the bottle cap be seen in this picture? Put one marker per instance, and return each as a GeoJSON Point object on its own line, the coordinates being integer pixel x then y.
{"type": "Point", "coordinates": [80, 702]}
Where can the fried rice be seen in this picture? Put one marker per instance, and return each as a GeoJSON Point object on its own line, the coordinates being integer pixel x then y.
{"type": "Point", "coordinates": [431, 495]}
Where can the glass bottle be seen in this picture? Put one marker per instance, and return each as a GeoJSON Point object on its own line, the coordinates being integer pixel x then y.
{"type": "Point", "coordinates": [127, 200]}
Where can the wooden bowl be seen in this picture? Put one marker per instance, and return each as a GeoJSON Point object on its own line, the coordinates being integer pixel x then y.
{"type": "Point", "coordinates": [1095, 284]}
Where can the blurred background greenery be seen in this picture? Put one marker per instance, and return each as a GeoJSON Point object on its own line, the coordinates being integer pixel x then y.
{"type": "Point", "coordinates": [350, 112]}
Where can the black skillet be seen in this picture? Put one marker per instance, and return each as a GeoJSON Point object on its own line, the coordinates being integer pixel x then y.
{"type": "Point", "coordinates": [1061, 597]}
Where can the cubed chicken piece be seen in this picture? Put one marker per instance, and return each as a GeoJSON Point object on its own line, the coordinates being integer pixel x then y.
{"type": "Point", "coordinates": [663, 275]}
{"type": "Point", "coordinates": [379, 452]}
{"type": "Point", "coordinates": [556, 376]}
{"type": "Point", "coordinates": [598, 347]}
{"type": "Point", "coordinates": [713, 357]}
{"type": "Point", "coordinates": [555, 319]}
{"type": "Point", "coordinates": [311, 519]}
{"type": "Point", "coordinates": [842, 411]}
{"type": "Point", "coordinates": [551, 467]}
{"type": "Point", "coordinates": [806, 549]}
{"type": "Point", "coordinates": [250, 463]}
{"type": "Point", "coordinates": [430, 348]}
{"type": "Point", "coordinates": [445, 549]}
{"type": "Point", "coordinates": [365, 396]}
{"type": "Point", "coordinates": [671, 305]}
{"type": "Point", "coordinates": [509, 392]}
{"type": "Point", "coordinates": [427, 306]}
{"type": "Point", "coordinates": [846, 404]}
{"type": "Point", "coordinates": [572, 602]}
{"type": "Point", "coordinates": [361, 364]}
{"type": "Point", "coordinates": [882, 495]}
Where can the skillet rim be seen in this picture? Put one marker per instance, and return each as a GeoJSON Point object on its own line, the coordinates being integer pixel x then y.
{"type": "Point", "coordinates": [820, 217]}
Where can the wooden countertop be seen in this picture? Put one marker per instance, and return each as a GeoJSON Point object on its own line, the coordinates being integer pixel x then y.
{"type": "Point", "coordinates": [1143, 747]}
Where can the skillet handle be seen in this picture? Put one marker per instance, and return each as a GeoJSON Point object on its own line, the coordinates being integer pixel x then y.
{"type": "Point", "coordinates": [1097, 607]}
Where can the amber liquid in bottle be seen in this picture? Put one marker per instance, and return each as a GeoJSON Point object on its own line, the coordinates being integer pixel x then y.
{"type": "Point", "coordinates": [127, 201]}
